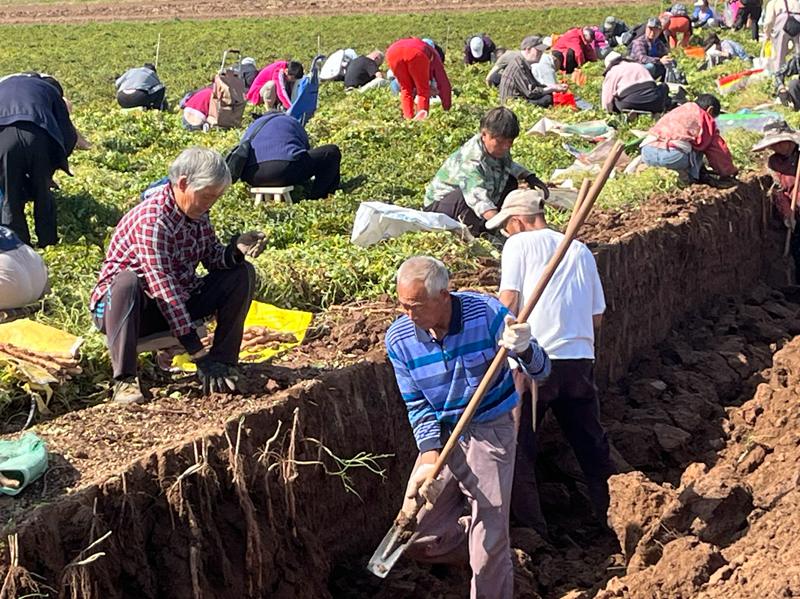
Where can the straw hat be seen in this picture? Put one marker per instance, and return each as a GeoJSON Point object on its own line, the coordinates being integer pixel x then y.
{"type": "Point", "coordinates": [770, 139]}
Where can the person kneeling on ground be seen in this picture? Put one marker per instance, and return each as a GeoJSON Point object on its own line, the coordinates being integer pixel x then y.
{"type": "Point", "coordinates": [785, 147]}
{"type": "Point", "coordinates": [475, 179]}
{"type": "Point", "coordinates": [280, 154]}
{"type": "Point", "coordinates": [479, 48]}
{"type": "Point", "coordinates": [628, 85]}
{"type": "Point", "coordinates": [564, 321]}
{"type": "Point", "coordinates": [23, 273]}
{"type": "Point", "coordinates": [273, 85]}
{"type": "Point", "coordinates": [577, 47]}
{"type": "Point", "coordinates": [517, 80]}
{"type": "Point", "coordinates": [718, 51]}
{"type": "Point", "coordinates": [680, 139]}
{"type": "Point", "coordinates": [141, 87]}
{"type": "Point", "coordinates": [363, 72]}
{"type": "Point", "coordinates": [436, 389]}
{"type": "Point", "coordinates": [148, 284]}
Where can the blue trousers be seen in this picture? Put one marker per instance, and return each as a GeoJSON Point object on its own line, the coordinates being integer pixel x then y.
{"type": "Point", "coordinates": [689, 163]}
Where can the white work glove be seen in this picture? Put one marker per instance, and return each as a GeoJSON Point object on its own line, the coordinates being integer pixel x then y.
{"type": "Point", "coordinates": [418, 484]}
{"type": "Point", "coordinates": [516, 337]}
{"type": "Point", "coordinates": [251, 243]}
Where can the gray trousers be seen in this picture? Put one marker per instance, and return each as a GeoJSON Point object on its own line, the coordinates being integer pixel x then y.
{"type": "Point", "coordinates": [479, 473]}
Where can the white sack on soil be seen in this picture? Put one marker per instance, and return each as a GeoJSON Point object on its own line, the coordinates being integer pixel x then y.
{"type": "Point", "coordinates": [376, 221]}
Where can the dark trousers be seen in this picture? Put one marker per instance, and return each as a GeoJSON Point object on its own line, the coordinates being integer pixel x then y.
{"type": "Point", "coordinates": [752, 11]}
{"type": "Point", "coordinates": [570, 62]}
{"type": "Point", "coordinates": [455, 206]}
{"type": "Point", "coordinates": [26, 172]}
{"type": "Point", "coordinates": [570, 392]}
{"type": "Point", "coordinates": [128, 314]}
{"type": "Point", "coordinates": [647, 96]}
{"type": "Point", "coordinates": [142, 98]}
{"type": "Point", "coordinates": [322, 163]}
{"type": "Point", "coordinates": [793, 89]}
{"type": "Point", "coordinates": [544, 101]}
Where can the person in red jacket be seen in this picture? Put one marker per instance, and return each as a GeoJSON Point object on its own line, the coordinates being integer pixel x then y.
{"type": "Point", "coordinates": [575, 48]}
{"type": "Point", "coordinates": [415, 63]}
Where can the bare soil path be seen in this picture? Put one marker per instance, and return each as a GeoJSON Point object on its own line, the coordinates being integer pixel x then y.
{"type": "Point", "coordinates": [130, 10]}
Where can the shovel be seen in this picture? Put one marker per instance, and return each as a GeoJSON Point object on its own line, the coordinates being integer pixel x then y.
{"type": "Point", "coordinates": [404, 527]}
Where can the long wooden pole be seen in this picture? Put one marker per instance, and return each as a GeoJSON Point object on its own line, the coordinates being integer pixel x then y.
{"type": "Point", "coordinates": [792, 220]}
{"type": "Point", "coordinates": [576, 221]}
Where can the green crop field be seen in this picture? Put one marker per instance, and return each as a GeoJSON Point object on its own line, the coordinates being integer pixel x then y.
{"type": "Point", "coordinates": [310, 262]}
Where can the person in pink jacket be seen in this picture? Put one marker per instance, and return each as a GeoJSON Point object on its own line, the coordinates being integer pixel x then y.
{"type": "Point", "coordinates": [680, 139]}
{"type": "Point", "coordinates": [628, 85]}
{"type": "Point", "coordinates": [273, 84]}
{"type": "Point", "coordinates": [415, 63]}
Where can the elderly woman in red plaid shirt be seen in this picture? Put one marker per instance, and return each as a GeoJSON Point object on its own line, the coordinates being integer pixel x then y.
{"type": "Point", "coordinates": [148, 283]}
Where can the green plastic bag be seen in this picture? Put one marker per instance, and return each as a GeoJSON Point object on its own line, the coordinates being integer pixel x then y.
{"type": "Point", "coordinates": [23, 459]}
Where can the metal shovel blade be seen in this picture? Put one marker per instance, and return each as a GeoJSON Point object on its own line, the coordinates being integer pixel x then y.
{"type": "Point", "coordinates": [389, 551]}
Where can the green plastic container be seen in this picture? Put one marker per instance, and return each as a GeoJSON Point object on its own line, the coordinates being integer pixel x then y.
{"type": "Point", "coordinates": [23, 459]}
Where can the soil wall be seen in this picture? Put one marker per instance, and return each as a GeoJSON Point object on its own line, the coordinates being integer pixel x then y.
{"type": "Point", "coordinates": [683, 254]}
{"type": "Point", "coordinates": [247, 511]}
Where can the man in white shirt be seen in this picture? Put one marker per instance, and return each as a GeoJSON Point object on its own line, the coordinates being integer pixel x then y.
{"type": "Point", "coordinates": [564, 321]}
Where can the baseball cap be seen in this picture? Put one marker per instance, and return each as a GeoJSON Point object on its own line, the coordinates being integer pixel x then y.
{"type": "Point", "coordinates": [520, 202]}
{"type": "Point", "coordinates": [476, 46]}
{"type": "Point", "coordinates": [653, 23]}
{"type": "Point", "coordinates": [610, 22]}
{"type": "Point", "coordinates": [698, 3]}
{"type": "Point", "coordinates": [533, 41]}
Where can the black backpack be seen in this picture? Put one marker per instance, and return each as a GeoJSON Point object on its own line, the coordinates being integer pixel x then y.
{"type": "Point", "coordinates": [237, 156]}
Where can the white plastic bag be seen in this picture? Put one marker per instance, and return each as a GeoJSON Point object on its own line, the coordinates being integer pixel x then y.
{"type": "Point", "coordinates": [376, 221]}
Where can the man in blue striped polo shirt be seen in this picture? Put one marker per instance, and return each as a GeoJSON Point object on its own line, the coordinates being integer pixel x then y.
{"type": "Point", "coordinates": [440, 350]}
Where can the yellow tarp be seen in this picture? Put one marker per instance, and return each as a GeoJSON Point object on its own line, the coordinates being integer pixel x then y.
{"type": "Point", "coordinates": [293, 322]}
{"type": "Point", "coordinates": [40, 338]}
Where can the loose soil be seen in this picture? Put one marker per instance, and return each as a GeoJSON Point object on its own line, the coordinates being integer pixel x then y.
{"type": "Point", "coordinates": [153, 10]}
{"type": "Point", "coordinates": [192, 512]}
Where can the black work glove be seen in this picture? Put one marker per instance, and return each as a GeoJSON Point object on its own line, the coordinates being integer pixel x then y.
{"type": "Point", "coordinates": [534, 181]}
{"type": "Point", "coordinates": [216, 377]}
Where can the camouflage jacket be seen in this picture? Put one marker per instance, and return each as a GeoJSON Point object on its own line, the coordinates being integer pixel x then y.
{"type": "Point", "coordinates": [481, 177]}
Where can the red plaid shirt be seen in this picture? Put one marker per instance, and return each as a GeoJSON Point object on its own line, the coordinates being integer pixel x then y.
{"type": "Point", "coordinates": [163, 247]}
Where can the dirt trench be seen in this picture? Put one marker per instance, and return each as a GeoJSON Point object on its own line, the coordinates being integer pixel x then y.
{"type": "Point", "coordinates": [239, 497]}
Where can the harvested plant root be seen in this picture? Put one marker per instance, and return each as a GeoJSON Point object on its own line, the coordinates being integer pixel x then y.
{"type": "Point", "coordinates": [55, 365]}
{"type": "Point", "coordinates": [257, 338]}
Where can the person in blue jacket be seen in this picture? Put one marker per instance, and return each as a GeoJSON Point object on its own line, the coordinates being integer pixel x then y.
{"type": "Point", "coordinates": [280, 154]}
{"type": "Point", "coordinates": [36, 139]}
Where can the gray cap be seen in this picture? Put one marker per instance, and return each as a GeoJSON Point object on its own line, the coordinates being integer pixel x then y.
{"type": "Point", "coordinates": [654, 23]}
{"type": "Point", "coordinates": [533, 41]}
{"type": "Point", "coordinates": [520, 202]}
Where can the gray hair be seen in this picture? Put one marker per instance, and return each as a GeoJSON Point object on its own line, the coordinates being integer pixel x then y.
{"type": "Point", "coordinates": [202, 168]}
{"type": "Point", "coordinates": [429, 270]}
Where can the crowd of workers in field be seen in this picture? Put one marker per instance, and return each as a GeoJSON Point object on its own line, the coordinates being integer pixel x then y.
{"type": "Point", "coordinates": [444, 342]}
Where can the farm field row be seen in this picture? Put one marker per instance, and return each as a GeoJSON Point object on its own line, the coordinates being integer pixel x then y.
{"type": "Point", "coordinates": [310, 262]}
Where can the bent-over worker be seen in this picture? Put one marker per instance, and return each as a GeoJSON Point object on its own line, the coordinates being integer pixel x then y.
{"type": "Point", "coordinates": [680, 139]}
{"type": "Point", "coordinates": [280, 154]}
{"type": "Point", "coordinates": [518, 81]}
{"type": "Point", "coordinates": [141, 87]}
{"type": "Point", "coordinates": [564, 322]}
{"type": "Point", "coordinates": [36, 139]}
{"type": "Point", "coordinates": [628, 85]}
{"type": "Point", "coordinates": [475, 179]}
{"type": "Point", "coordinates": [440, 349]}
{"type": "Point", "coordinates": [414, 64]}
{"type": "Point", "coordinates": [148, 283]}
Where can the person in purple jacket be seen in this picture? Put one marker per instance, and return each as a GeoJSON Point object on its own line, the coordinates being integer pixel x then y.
{"type": "Point", "coordinates": [280, 154]}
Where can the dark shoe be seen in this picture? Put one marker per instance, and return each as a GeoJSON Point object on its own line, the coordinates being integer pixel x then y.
{"type": "Point", "coordinates": [127, 391]}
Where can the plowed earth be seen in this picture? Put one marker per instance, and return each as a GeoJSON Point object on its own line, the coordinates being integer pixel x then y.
{"type": "Point", "coordinates": [153, 10]}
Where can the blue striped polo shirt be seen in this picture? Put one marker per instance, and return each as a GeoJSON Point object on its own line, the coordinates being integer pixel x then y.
{"type": "Point", "coordinates": [437, 378]}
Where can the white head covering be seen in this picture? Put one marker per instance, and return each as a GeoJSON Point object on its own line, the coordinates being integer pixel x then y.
{"type": "Point", "coordinates": [476, 46]}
